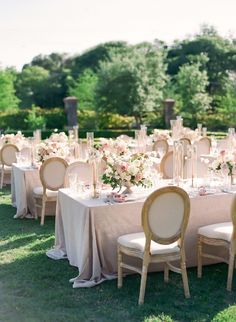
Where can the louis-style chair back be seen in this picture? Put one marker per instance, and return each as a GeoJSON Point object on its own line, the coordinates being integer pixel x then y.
{"type": "Point", "coordinates": [8, 154]}
{"type": "Point", "coordinates": [163, 144]}
{"type": "Point", "coordinates": [166, 165]}
{"type": "Point", "coordinates": [52, 173]}
{"type": "Point", "coordinates": [83, 170]}
{"type": "Point", "coordinates": [203, 146]}
{"type": "Point", "coordinates": [165, 216]}
{"type": "Point", "coordinates": [7, 157]}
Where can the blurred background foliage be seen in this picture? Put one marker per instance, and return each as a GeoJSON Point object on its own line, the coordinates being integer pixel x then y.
{"type": "Point", "coordinates": [120, 86]}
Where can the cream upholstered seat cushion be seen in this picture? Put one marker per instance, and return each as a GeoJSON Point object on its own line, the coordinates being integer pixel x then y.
{"type": "Point", "coordinates": [219, 231]}
{"type": "Point", "coordinates": [7, 169]}
{"type": "Point", "coordinates": [137, 241]}
{"type": "Point", "coordinates": [39, 191]}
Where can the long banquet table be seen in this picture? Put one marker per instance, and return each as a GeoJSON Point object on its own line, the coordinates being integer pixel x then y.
{"type": "Point", "coordinates": [87, 231]}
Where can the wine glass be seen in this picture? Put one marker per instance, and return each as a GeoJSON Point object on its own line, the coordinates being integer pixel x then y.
{"type": "Point", "coordinates": [225, 173]}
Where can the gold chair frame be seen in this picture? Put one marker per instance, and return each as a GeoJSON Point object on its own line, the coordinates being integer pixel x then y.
{"type": "Point", "coordinates": [162, 165]}
{"type": "Point", "coordinates": [75, 165]}
{"type": "Point", "coordinates": [45, 198]}
{"type": "Point", "coordinates": [146, 256]}
{"type": "Point", "coordinates": [230, 246]}
{"type": "Point", "coordinates": [4, 162]}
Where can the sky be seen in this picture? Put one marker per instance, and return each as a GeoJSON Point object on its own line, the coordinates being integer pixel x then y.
{"type": "Point", "coordinates": [32, 27]}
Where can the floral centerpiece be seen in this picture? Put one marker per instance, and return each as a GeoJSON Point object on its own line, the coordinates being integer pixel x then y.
{"type": "Point", "coordinates": [127, 170]}
{"type": "Point", "coordinates": [225, 163]}
{"type": "Point", "coordinates": [160, 135]}
{"type": "Point", "coordinates": [16, 139]}
{"type": "Point", "coordinates": [189, 134]}
{"type": "Point", "coordinates": [59, 137]}
{"type": "Point", "coordinates": [108, 147]}
{"type": "Point", "coordinates": [49, 149]}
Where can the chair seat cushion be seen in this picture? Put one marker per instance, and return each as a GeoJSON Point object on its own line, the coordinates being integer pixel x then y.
{"type": "Point", "coordinates": [50, 193]}
{"type": "Point", "coordinates": [219, 231]}
{"type": "Point", "coordinates": [7, 169]}
{"type": "Point", "coordinates": [137, 241]}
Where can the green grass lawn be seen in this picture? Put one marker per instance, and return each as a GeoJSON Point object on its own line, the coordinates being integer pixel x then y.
{"type": "Point", "coordinates": [36, 288]}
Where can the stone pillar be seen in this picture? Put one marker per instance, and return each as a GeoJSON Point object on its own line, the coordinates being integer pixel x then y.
{"type": "Point", "coordinates": [71, 111]}
{"type": "Point", "coordinates": [168, 111]}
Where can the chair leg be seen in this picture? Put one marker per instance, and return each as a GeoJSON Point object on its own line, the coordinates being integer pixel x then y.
{"type": "Point", "coordinates": [2, 176]}
{"type": "Point", "coordinates": [199, 258]}
{"type": "Point", "coordinates": [43, 212]}
{"type": "Point", "coordinates": [230, 272]}
{"type": "Point", "coordinates": [143, 280]}
{"type": "Point", "coordinates": [185, 279]}
{"type": "Point", "coordinates": [120, 270]}
{"type": "Point", "coordinates": [166, 273]}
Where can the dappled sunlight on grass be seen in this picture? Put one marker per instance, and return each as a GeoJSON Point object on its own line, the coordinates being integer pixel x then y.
{"type": "Point", "coordinates": [29, 281]}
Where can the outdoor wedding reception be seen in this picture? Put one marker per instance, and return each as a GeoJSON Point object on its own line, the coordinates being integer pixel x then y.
{"type": "Point", "coordinates": [118, 161]}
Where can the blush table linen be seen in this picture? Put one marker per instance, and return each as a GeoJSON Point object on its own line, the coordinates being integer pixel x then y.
{"type": "Point", "coordinates": [86, 231]}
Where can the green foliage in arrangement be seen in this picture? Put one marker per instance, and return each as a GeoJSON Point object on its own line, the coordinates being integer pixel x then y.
{"type": "Point", "coordinates": [30, 281]}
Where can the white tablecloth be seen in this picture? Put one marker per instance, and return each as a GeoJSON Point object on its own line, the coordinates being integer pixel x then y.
{"type": "Point", "coordinates": [87, 231]}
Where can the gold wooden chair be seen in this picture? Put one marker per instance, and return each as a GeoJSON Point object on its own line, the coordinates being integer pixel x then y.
{"type": "Point", "coordinates": [203, 146]}
{"type": "Point", "coordinates": [52, 176]}
{"type": "Point", "coordinates": [161, 144]}
{"type": "Point", "coordinates": [7, 157]}
{"type": "Point", "coordinates": [83, 170]}
{"type": "Point", "coordinates": [222, 234]}
{"type": "Point", "coordinates": [165, 217]}
{"type": "Point", "coordinates": [166, 165]}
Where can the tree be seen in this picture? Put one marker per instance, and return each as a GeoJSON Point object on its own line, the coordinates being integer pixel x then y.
{"type": "Point", "coordinates": [92, 57]}
{"type": "Point", "coordinates": [227, 103]}
{"type": "Point", "coordinates": [132, 83]}
{"type": "Point", "coordinates": [32, 86]}
{"type": "Point", "coordinates": [220, 51]}
{"type": "Point", "coordinates": [58, 76]}
{"type": "Point", "coordinates": [8, 99]}
{"type": "Point", "coordinates": [190, 86]}
{"type": "Point", "coordinates": [84, 89]}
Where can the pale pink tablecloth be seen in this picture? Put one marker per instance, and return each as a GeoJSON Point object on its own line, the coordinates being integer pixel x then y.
{"type": "Point", "coordinates": [87, 231]}
{"type": "Point", "coordinates": [23, 181]}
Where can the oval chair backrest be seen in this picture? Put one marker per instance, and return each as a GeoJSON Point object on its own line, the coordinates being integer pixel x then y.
{"type": "Point", "coordinates": [161, 144]}
{"type": "Point", "coordinates": [52, 173]}
{"type": "Point", "coordinates": [166, 165]}
{"type": "Point", "coordinates": [8, 154]}
{"type": "Point", "coordinates": [83, 170]}
{"type": "Point", "coordinates": [165, 215]}
{"type": "Point", "coordinates": [203, 146]}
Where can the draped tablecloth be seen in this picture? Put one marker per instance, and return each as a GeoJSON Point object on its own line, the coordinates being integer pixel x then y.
{"type": "Point", "coordinates": [23, 180]}
{"type": "Point", "coordinates": [87, 231]}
